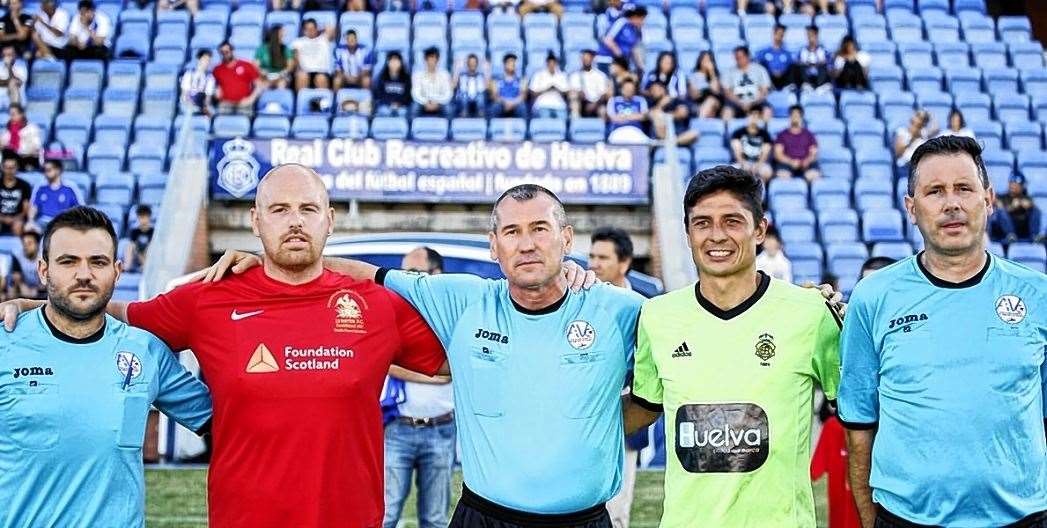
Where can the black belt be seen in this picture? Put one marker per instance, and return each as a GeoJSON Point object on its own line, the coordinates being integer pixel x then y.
{"type": "Point", "coordinates": [1030, 521]}
{"type": "Point", "coordinates": [427, 422]}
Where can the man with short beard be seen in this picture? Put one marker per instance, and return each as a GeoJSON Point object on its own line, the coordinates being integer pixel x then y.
{"type": "Point", "coordinates": [75, 391]}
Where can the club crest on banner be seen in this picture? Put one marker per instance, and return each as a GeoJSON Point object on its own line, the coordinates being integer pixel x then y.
{"type": "Point", "coordinates": [238, 170]}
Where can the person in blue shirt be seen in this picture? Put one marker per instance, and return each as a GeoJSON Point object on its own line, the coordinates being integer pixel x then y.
{"type": "Point", "coordinates": [777, 60]}
{"type": "Point", "coordinates": [508, 91]}
{"type": "Point", "coordinates": [353, 63]}
{"type": "Point", "coordinates": [623, 37]}
{"type": "Point", "coordinates": [470, 89]}
{"type": "Point", "coordinates": [626, 115]}
{"type": "Point", "coordinates": [943, 377]}
{"type": "Point", "coordinates": [52, 197]}
{"type": "Point", "coordinates": [75, 390]}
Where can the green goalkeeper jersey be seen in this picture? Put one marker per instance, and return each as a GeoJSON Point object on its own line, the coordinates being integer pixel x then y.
{"type": "Point", "coordinates": [736, 389]}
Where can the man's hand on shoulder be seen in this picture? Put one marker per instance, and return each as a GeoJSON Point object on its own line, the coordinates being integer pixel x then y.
{"type": "Point", "coordinates": [578, 278]}
{"type": "Point", "coordinates": [233, 260]}
{"type": "Point", "coordinates": [13, 308]}
{"type": "Point", "coordinates": [833, 297]}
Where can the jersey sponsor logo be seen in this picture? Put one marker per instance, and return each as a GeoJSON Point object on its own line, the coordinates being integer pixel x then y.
{"type": "Point", "coordinates": [236, 316]}
{"type": "Point", "coordinates": [721, 437]}
{"type": "Point", "coordinates": [1011, 309]}
{"type": "Point", "coordinates": [262, 361]}
{"type": "Point", "coordinates": [581, 335]}
{"type": "Point", "coordinates": [128, 362]}
{"type": "Point", "coordinates": [765, 349]}
{"type": "Point", "coordinates": [349, 308]}
{"type": "Point", "coordinates": [906, 322]}
{"type": "Point", "coordinates": [32, 371]}
{"type": "Point", "coordinates": [491, 336]}
{"type": "Point", "coordinates": [315, 358]}
{"type": "Point", "coordinates": [682, 351]}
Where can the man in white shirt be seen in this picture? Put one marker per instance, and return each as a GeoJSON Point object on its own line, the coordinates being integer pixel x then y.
{"type": "Point", "coordinates": [198, 85]}
{"type": "Point", "coordinates": [745, 86]}
{"type": "Point", "coordinates": [13, 77]}
{"type": "Point", "coordinates": [908, 138]}
{"type": "Point", "coordinates": [548, 89]}
{"type": "Point", "coordinates": [90, 33]}
{"type": "Point", "coordinates": [590, 89]}
{"type": "Point", "coordinates": [431, 88]}
{"type": "Point", "coordinates": [49, 30]}
{"type": "Point", "coordinates": [314, 54]}
{"type": "Point", "coordinates": [772, 260]}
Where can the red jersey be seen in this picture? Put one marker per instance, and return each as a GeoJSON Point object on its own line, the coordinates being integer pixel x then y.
{"type": "Point", "coordinates": [236, 79]}
{"type": "Point", "coordinates": [296, 373]}
{"type": "Point", "coordinates": [830, 457]}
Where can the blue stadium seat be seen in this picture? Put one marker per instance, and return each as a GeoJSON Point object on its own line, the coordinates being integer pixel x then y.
{"type": "Point", "coordinates": [152, 129]}
{"type": "Point", "coordinates": [895, 106]}
{"type": "Point", "coordinates": [116, 213]}
{"type": "Point", "coordinates": [172, 22]}
{"type": "Point", "coordinates": [787, 194]}
{"type": "Point", "coordinates": [290, 20]}
{"type": "Point", "coordinates": [882, 52]}
{"type": "Point", "coordinates": [962, 6]}
{"type": "Point", "coordinates": [146, 158]}
{"type": "Point", "coordinates": [1026, 55]}
{"type": "Point", "coordinates": [926, 7]}
{"type": "Point", "coordinates": [925, 79]}
{"type": "Point", "coordinates": [1031, 255]}
{"type": "Point", "coordinates": [996, 248]}
{"type": "Point", "coordinates": [706, 157]}
{"type": "Point", "coordinates": [271, 126]}
{"type": "Point", "coordinates": [125, 75]}
{"type": "Point", "coordinates": [939, 104]}
{"type": "Point", "coordinates": [845, 261]}
{"type": "Point", "coordinates": [72, 129]}
{"type": "Point", "coordinates": [866, 134]}
{"type": "Point", "coordinates": [507, 129]}
{"type": "Point", "coordinates": [818, 105]}
{"type": "Point", "coordinates": [350, 127]}
{"type": "Point", "coordinates": [170, 49]}
{"type": "Point", "coordinates": [229, 126]}
{"type": "Point", "coordinates": [960, 80]}
{"type": "Point", "coordinates": [587, 130]}
{"type": "Point", "coordinates": [711, 132]}
{"type": "Point", "coordinates": [276, 102]}
{"type": "Point", "coordinates": [857, 106]}
{"type": "Point", "coordinates": [121, 102]}
{"type": "Point", "coordinates": [1011, 107]}
{"type": "Point", "coordinates": [988, 133]}
{"type": "Point", "coordinates": [895, 250]}
{"type": "Point", "coordinates": [161, 75]}
{"type": "Point", "coordinates": [915, 54]}
{"type": "Point", "coordinates": [430, 29]}
{"type": "Point", "coordinates": [468, 129]}
{"type": "Point", "coordinates": [952, 55]}
{"type": "Point", "coordinates": [115, 188]}
{"type": "Point", "coordinates": [134, 44]}
{"type": "Point", "coordinates": [870, 29]}
{"type": "Point", "coordinates": [975, 106]}
{"type": "Point", "coordinates": [836, 164]}
{"type": "Point", "coordinates": [314, 101]}
{"type": "Point", "coordinates": [112, 129]}
{"type": "Point", "coordinates": [882, 225]}
{"type": "Point", "coordinates": [806, 258]}
{"type": "Point", "coordinates": [83, 101]}
{"type": "Point", "coordinates": [389, 128]}
{"type": "Point", "coordinates": [885, 78]}
{"type": "Point", "coordinates": [310, 127]}
{"type": "Point", "coordinates": [941, 27]}
{"type": "Point", "coordinates": [547, 130]}
{"type": "Point", "coordinates": [837, 225]}
{"type": "Point", "coordinates": [1023, 135]}
{"type": "Point", "coordinates": [360, 21]}
{"type": "Point", "coordinates": [780, 101]}
{"type": "Point", "coordinates": [989, 54]}
{"type": "Point", "coordinates": [723, 27]}
{"type": "Point", "coordinates": [873, 193]}
{"type": "Point", "coordinates": [87, 74]}
{"type": "Point", "coordinates": [103, 158]}
{"type": "Point", "coordinates": [429, 128]}
{"type": "Point", "coordinates": [1014, 28]}
{"type": "Point", "coordinates": [245, 16]}
{"type": "Point", "coordinates": [159, 101]}
{"type": "Point", "coordinates": [795, 225]}
{"type": "Point", "coordinates": [830, 193]}
{"type": "Point", "coordinates": [904, 27]}
{"type": "Point", "coordinates": [999, 165]}
{"type": "Point", "coordinates": [1001, 80]}
{"type": "Point", "coordinates": [1034, 81]}
{"type": "Point", "coordinates": [977, 27]}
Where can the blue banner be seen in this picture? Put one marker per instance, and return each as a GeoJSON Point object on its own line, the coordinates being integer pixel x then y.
{"type": "Point", "coordinates": [459, 172]}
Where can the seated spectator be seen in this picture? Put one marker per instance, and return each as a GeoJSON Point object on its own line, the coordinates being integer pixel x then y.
{"type": "Point", "coordinates": [21, 138]}
{"type": "Point", "coordinates": [1016, 216]}
{"type": "Point", "coordinates": [353, 63]}
{"type": "Point", "coordinates": [851, 66]}
{"type": "Point", "coordinates": [549, 89]}
{"type": "Point", "coordinates": [745, 7]}
{"type": "Point", "coordinates": [470, 89]}
{"type": "Point", "coordinates": [90, 33]}
{"type": "Point", "coordinates": [192, 6]}
{"type": "Point", "coordinates": [665, 72]}
{"type": "Point", "coordinates": [313, 55]}
{"type": "Point", "coordinates": [745, 86]}
{"type": "Point", "coordinates": [873, 264]}
{"type": "Point", "coordinates": [281, 5]}
{"type": "Point", "coordinates": [812, 7]}
{"type": "Point", "coordinates": [24, 281]}
{"type": "Point", "coordinates": [624, 38]}
{"type": "Point", "coordinates": [908, 138]}
{"type": "Point", "coordinates": [16, 28]}
{"type": "Point", "coordinates": [237, 81]}
{"type": "Point", "coordinates": [703, 86]}
{"type": "Point", "coordinates": [141, 236]}
{"type": "Point", "coordinates": [53, 196]}
{"type": "Point", "coordinates": [590, 88]}
{"type": "Point", "coordinates": [503, 5]}
{"type": "Point", "coordinates": [14, 198]}
{"type": "Point", "coordinates": [627, 114]}
{"type": "Point", "coordinates": [619, 72]}
{"type": "Point", "coordinates": [777, 60]}
{"type": "Point", "coordinates": [508, 91]}
{"type": "Point", "coordinates": [392, 89]}
{"type": "Point", "coordinates": [50, 30]}
{"type": "Point", "coordinates": [751, 146]}
{"type": "Point", "coordinates": [275, 60]}
{"type": "Point", "coordinates": [13, 77]}
{"type": "Point", "coordinates": [796, 149]}
{"type": "Point", "coordinates": [812, 64]}
{"type": "Point", "coordinates": [198, 85]}
{"type": "Point", "coordinates": [431, 88]}
{"type": "Point", "coordinates": [664, 109]}
{"type": "Point", "coordinates": [957, 125]}
{"type": "Point", "coordinates": [541, 6]}
{"type": "Point", "coordinates": [772, 259]}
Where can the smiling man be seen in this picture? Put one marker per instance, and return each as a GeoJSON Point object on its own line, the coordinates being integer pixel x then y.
{"type": "Point", "coordinates": [733, 360]}
{"type": "Point", "coordinates": [943, 366]}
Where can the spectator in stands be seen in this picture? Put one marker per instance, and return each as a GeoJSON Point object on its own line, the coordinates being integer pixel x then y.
{"type": "Point", "coordinates": [549, 89]}
{"type": "Point", "coordinates": [470, 89]}
{"type": "Point", "coordinates": [796, 149]}
{"type": "Point", "coordinates": [238, 82]}
{"type": "Point", "coordinates": [141, 235]}
{"type": "Point", "coordinates": [703, 86]}
{"type": "Point", "coordinates": [772, 259]}
{"type": "Point", "coordinates": [24, 281]}
{"type": "Point", "coordinates": [624, 38]}
{"type": "Point", "coordinates": [507, 91]}
{"type": "Point", "coordinates": [314, 56]}
{"type": "Point", "coordinates": [627, 114]}
{"type": "Point", "coordinates": [907, 139]}
{"type": "Point", "coordinates": [751, 146]}
{"type": "Point", "coordinates": [812, 63]}
{"type": "Point", "coordinates": [392, 89]}
{"type": "Point", "coordinates": [198, 85]}
{"type": "Point", "coordinates": [777, 60]}
{"type": "Point", "coordinates": [957, 125]}
{"type": "Point", "coordinates": [53, 196]}
{"type": "Point", "coordinates": [13, 77]}
{"type": "Point", "coordinates": [14, 199]}
{"type": "Point", "coordinates": [353, 63]}
{"type": "Point", "coordinates": [746, 86]}
{"type": "Point", "coordinates": [851, 66]}
{"type": "Point", "coordinates": [90, 33]}
{"type": "Point", "coordinates": [16, 27]}
{"type": "Point", "coordinates": [875, 263]}
{"type": "Point", "coordinates": [608, 10]}
{"type": "Point", "coordinates": [280, 5]}
{"type": "Point", "coordinates": [49, 30]}
{"type": "Point", "coordinates": [1016, 217]}
{"type": "Point", "coordinates": [665, 72]}
{"type": "Point", "coordinates": [590, 88]}
{"type": "Point", "coordinates": [21, 138]}
{"type": "Point", "coordinates": [193, 6]}
{"type": "Point", "coordinates": [619, 72]}
{"type": "Point", "coordinates": [757, 7]}
{"type": "Point", "coordinates": [431, 87]}
{"type": "Point", "coordinates": [667, 109]}
{"type": "Point", "coordinates": [541, 6]}
{"type": "Point", "coordinates": [274, 59]}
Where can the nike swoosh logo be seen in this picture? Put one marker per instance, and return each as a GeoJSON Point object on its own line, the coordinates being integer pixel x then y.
{"type": "Point", "coordinates": [237, 316]}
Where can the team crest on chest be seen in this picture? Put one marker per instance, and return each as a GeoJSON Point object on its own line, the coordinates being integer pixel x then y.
{"type": "Point", "coordinates": [349, 308]}
{"type": "Point", "coordinates": [128, 362]}
{"type": "Point", "coordinates": [581, 335]}
{"type": "Point", "coordinates": [765, 349]}
{"type": "Point", "coordinates": [1011, 309]}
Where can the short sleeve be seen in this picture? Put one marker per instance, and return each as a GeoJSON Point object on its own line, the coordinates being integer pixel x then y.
{"type": "Point", "coordinates": [858, 398]}
{"type": "Point", "coordinates": [628, 318]}
{"type": "Point", "coordinates": [440, 299]}
{"type": "Point", "coordinates": [180, 395]}
{"type": "Point", "coordinates": [169, 315]}
{"type": "Point", "coordinates": [826, 360]}
{"type": "Point", "coordinates": [420, 349]}
{"type": "Point", "coordinates": [647, 385]}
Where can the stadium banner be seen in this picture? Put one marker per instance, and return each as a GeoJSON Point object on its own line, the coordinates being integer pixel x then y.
{"type": "Point", "coordinates": [459, 172]}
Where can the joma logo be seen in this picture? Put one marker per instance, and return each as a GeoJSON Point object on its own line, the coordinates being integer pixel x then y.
{"type": "Point", "coordinates": [905, 321]}
{"type": "Point", "coordinates": [491, 336]}
{"type": "Point", "coordinates": [33, 371]}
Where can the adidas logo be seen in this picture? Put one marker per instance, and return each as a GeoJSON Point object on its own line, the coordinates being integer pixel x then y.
{"type": "Point", "coordinates": [682, 351]}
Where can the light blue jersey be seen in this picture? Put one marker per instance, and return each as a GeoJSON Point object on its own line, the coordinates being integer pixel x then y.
{"type": "Point", "coordinates": [537, 394]}
{"type": "Point", "coordinates": [72, 421]}
{"type": "Point", "coordinates": [954, 377]}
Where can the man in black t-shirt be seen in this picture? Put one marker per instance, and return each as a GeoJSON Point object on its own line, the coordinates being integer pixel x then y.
{"type": "Point", "coordinates": [14, 198]}
{"type": "Point", "coordinates": [16, 27]}
{"type": "Point", "coordinates": [751, 145]}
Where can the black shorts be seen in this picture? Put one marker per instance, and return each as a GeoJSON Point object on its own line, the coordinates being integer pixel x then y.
{"type": "Point", "coordinates": [886, 519]}
{"type": "Point", "coordinates": [474, 511]}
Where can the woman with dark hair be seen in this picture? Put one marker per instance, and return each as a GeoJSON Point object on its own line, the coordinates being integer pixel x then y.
{"type": "Point", "coordinates": [275, 59]}
{"type": "Point", "coordinates": [392, 90]}
{"type": "Point", "coordinates": [665, 73]}
{"type": "Point", "coordinates": [957, 125]}
{"type": "Point", "coordinates": [703, 86]}
{"type": "Point", "coordinates": [851, 66]}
